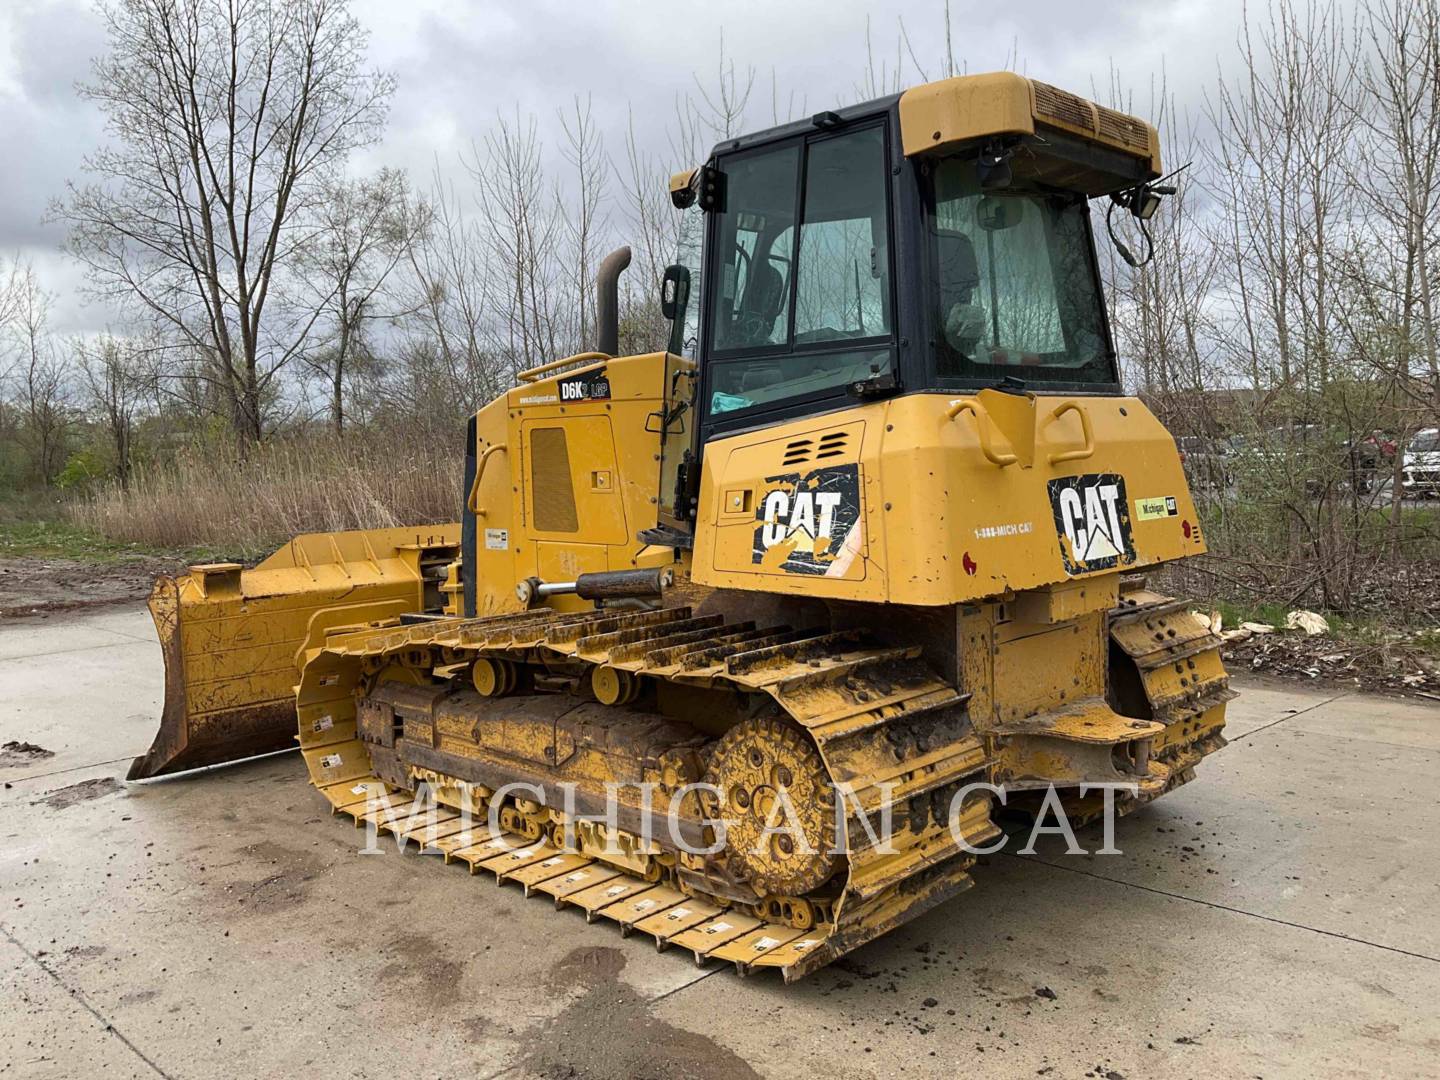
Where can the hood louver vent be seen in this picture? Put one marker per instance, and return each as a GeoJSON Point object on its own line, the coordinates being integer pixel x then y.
{"type": "Point", "coordinates": [800, 451]}
{"type": "Point", "coordinates": [1066, 110]}
{"type": "Point", "coordinates": [797, 452]}
{"type": "Point", "coordinates": [1063, 108]}
{"type": "Point", "coordinates": [1124, 129]}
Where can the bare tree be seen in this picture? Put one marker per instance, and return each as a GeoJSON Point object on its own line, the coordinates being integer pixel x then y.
{"type": "Point", "coordinates": [582, 212]}
{"type": "Point", "coordinates": [885, 79]}
{"type": "Point", "coordinates": [9, 361]}
{"type": "Point", "coordinates": [523, 227]}
{"type": "Point", "coordinates": [42, 372]}
{"type": "Point", "coordinates": [113, 372]}
{"type": "Point", "coordinates": [365, 229]}
{"type": "Point", "coordinates": [1399, 175]}
{"type": "Point", "coordinates": [10, 289]}
{"type": "Point", "coordinates": [652, 229]}
{"type": "Point", "coordinates": [722, 107]}
{"type": "Point", "coordinates": [1284, 127]}
{"type": "Point", "coordinates": [227, 118]}
{"type": "Point", "coordinates": [1298, 315]}
{"type": "Point", "coordinates": [1158, 310]}
{"type": "Point", "coordinates": [448, 332]}
{"type": "Point", "coordinates": [9, 308]}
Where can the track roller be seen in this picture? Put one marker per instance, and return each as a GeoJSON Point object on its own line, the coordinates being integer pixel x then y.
{"type": "Point", "coordinates": [614, 686]}
{"type": "Point", "coordinates": [494, 677]}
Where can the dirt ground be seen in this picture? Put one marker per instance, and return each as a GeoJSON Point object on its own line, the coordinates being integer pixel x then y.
{"type": "Point", "coordinates": [1392, 666]}
{"type": "Point", "coordinates": [35, 585]}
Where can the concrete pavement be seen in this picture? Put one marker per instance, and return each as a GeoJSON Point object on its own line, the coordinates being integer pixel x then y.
{"type": "Point", "coordinates": [1278, 917]}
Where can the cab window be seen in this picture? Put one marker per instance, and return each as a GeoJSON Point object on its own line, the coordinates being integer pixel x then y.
{"type": "Point", "coordinates": [802, 311]}
{"type": "Point", "coordinates": [1017, 291]}
{"type": "Point", "coordinates": [756, 251]}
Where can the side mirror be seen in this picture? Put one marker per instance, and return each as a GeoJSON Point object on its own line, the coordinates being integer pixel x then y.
{"type": "Point", "coordinates": [997, 213]}
{"type": "Point", "coordinates": [674, 291]}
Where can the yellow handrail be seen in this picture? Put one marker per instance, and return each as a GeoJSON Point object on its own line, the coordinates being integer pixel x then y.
{"type": "Point", "coordinates": [1089, 434]}
{"type": "Point", "coordinates": [982, 428]}
{"type": "Point", "coordinates": [531, 374]}
{"type": "Point", "coordinates": [479, 472]}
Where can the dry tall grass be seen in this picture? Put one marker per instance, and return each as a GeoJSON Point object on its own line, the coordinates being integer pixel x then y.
{"type": "Point", "coordinates": [211, 498]}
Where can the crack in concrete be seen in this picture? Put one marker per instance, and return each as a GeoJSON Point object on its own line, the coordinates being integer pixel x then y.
{"type": "Point", "coordinates": [17, 780]}
{"type": "Point", "coordinates": [148, 636]}
{"type": "Point", "coordinates": [129, 641]}
{"type": "Point", "coordinates": [1291, 716]}
{"type": "Point", "coordinates": [1223, 907]}
{"type": "Point", "coordinates": [79, 998]}
{"type": "Point", "coordinates": [1409, 748]}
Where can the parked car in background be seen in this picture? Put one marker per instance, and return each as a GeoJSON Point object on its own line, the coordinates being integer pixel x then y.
{"type": "Point", "coordinates": [1206, 460]}
{"type": "Point", "coordinates": [1364, 463]}
{"type": "Point", "coordinates": [1421, 465]}
{"type": "Point", "coordinates": [1320, 459]}
{"type": "Point", "coordinates": [1385, 445]}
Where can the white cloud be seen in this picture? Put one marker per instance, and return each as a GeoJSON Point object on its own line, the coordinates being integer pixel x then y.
{"type": "Point", "coordinates": [460, 63]}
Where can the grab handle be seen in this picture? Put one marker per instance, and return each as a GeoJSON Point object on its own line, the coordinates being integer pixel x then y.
{"type": "Point", "coordinates": [534, 373]}
{"type": "Point", "coordinates": [982, 429]}
{"type": "Point", "coordinates": [1089, 434]}
{"type": "Point", "coordinates": [479, 473]}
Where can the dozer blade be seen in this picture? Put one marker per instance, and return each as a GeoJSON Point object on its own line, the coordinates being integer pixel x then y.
{"type": "Point", "coordinates": [233, 638]}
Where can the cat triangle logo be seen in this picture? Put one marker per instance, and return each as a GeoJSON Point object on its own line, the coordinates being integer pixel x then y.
{"type": "Point", "coordinates": [1098, 544]}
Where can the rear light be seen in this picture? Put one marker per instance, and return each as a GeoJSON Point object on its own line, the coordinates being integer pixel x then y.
{"type": "Point", "coordinates": [1185, 527]}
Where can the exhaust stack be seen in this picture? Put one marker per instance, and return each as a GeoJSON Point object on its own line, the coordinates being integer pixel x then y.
{"type": "Point", "coordinates": [607, 300]}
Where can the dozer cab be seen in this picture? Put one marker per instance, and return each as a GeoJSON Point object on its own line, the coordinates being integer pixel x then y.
{"type": "Point", "coordinates": [741, 644]}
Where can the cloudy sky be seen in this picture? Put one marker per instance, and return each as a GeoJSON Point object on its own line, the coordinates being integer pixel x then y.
{"type": "Point", "coordinates": [459, 61]}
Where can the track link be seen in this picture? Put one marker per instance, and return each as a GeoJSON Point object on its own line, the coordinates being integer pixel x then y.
{"type": "Point", "coordinates": [1181, 678]}
{"type": "Point", "coordinates": [893, 737]}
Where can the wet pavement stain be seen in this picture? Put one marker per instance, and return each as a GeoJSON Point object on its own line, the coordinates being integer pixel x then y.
{"type": "Point", "coordinates": [61, 798]}
{"type": "Point", "coordinates": [422, 966]}
{"type": "Point", "coordinates": [15, 754]}
{"type": "Point", "coordinates": [607, 1032]}
{"type": "Point", "coordinates": [283, 886]}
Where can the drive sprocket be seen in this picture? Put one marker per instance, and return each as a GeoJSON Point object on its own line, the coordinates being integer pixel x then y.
{"type": "Point", "coordinates": [778, 806]}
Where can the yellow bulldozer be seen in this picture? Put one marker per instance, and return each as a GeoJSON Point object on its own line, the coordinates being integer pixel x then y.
{"type": "Point", "coordinates": [864, 545]}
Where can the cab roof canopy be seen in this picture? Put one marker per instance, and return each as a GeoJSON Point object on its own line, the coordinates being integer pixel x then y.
{"type": "Point", "coordinates": [937, 117]}
{"type": "Point", "coordinates": [1058, 138]}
